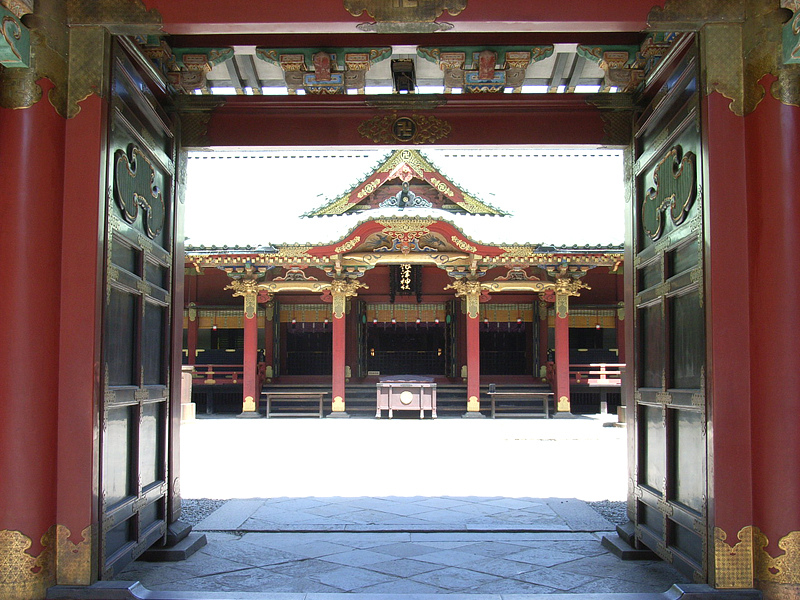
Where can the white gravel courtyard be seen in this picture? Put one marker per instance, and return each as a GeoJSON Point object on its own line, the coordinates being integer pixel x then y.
{"type": "Point", "coordinates": [572, 457]}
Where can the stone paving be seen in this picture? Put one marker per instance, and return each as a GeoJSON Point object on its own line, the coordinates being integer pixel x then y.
{"type": "Point", "coordinates": [301, 546]}
{"type": "Point", "coordinates": [405, 563]}
{"type": "Point", "coordinates": [419, 513]}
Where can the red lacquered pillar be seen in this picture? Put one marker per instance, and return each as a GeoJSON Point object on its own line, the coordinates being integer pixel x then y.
{"type": "Point", "coordinates": [249, 391]}
{"type": "Point", "coordinates": [772, 139]}
{"type": "Point", "coordinates": [32, 146]}
{"type": "Point", "coordinates": [339, 358]}
{"type": "Point", "coordinates": [562, 353]}
{"type": "Point", "coordinates": [473, 351]}
{"type": "Point", "coordinates": [82, 299]}
{"type": "Point", "coordinates": [727, 333]}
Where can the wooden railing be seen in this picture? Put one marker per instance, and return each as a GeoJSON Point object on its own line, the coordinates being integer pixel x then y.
{"type": "Point", "coordinates": [217, 374]}
{"type": "Point", "coordinates": [597, 374]}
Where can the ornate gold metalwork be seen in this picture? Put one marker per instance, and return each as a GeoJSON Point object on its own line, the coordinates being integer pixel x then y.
{"type": "Point", "coordinates": [341, 290]}
{"type": "Point", "coordinates": [18, 88]}
{"type": "Point", "coordinates": [195, 114]}
{"type": "Point", "coordinates": [338, 404]}
{"type": "Point", "coordinates": [74, 561]}
{"type": "Point", "coordinates": [404, 11]}
{"type": "Point", "coordinates": [563, 404]}
{"type": "Point", "coordinates": [470, 290]}
{"type": "Point", "coordinates": [248, 288]}
{"type": "Point", "coordinates": [733, 564]}
{"type": "Point", "coordinates": [23, 576]}
{"type": "Point", "coordinates": [473, 404]}
{"type": "Point", "coordinates": [414, 129]}
{"type": "Point", "coordinates": [740, 42]}
{"type": "Point", "coordinates": [738, 566]}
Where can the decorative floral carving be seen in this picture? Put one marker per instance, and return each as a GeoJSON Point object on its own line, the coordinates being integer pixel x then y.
{"type": "Point", "coordinates": [348, 245]}
{"type": "Point", "coordinates": [416, 129]}
{"type": "Point", "coordinates": [470, 290]}
{"type": "Point", "coordinates": [249, 290]}
{"type": "Point", "coordinates": [341, 290]}
{"type": "Point", "coordinates": [404, 11]}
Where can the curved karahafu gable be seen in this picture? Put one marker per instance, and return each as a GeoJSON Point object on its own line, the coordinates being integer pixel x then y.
{"type": "Point", "coordinates": [406, 176]}
{"type": "Point", "coordinates": [406, 235]}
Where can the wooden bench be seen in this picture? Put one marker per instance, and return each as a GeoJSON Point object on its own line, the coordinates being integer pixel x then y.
{"type": "Point", "coordinates": [495, 396]}
{"type": "Point", "coordinates": [294, 396]}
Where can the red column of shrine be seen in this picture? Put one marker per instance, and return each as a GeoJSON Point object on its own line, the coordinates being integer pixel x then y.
{"type": "Point", "coordinates": [341, 290]}
{"type": "Point", "coordinates": [728, 327]}
{"type": "Point", "coordinates": [247, 288]}
{"type": "Point", "coordinates": [32, 146]}
{"type": "Point", "coordinates": [562, 353]}
{"type": "Point", "coordinates": [339, 362]}
{"type": "Point", "coordinates": [473, 359]}
{"type": "Point", "coordinates": [250, 394]}
{"type": "Point", "coordinates": [772, 139]}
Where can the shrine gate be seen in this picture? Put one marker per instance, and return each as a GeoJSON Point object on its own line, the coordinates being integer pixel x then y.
{"type": "Point", "coordinates": [98, 109]}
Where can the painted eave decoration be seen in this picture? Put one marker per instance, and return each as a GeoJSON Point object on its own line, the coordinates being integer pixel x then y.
{"type": "Point", "coordinates": [416, 178]}
{"type": "Point", "coordinates": [402, 237]}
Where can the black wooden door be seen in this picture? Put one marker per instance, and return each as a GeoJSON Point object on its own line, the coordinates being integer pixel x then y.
{"type": "Point", "coordinates": [451, 338]}
{"type": "Point", "coordinates": [669, 476]}
{"type": "Point", "coordinates": [139, 247]}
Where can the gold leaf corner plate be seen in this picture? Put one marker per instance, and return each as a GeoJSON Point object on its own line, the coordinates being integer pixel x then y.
{"type": "Point", "coordinates": [24, 576]}
{"type": "Point", "coordinates": [739, 565]}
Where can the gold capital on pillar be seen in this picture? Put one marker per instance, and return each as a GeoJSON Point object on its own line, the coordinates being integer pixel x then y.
{"type": "Point", "coordinates": [341, 290]}
{"type": "Point", "coordinates": [248, 289]}
{"type": "Point", "coordinates": [566, 287]}
{"type": "Point", "coordinates": [471, 291]}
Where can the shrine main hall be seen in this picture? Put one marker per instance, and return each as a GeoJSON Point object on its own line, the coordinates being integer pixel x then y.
{"type": "Point", "coordinates": [105, 303]}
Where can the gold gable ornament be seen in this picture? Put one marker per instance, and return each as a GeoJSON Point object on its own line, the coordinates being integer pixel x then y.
{"type": "Point", "coordinates": [404, 16]}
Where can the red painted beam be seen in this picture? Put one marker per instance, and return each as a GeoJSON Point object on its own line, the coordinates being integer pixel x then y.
{"type": "Point", "coordinates": [307, 121]}
{"type": "Point", "coordinates": [312, 16]}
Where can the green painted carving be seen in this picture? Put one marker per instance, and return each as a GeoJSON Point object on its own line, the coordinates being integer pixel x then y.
{"type": "Point", "coordinates": [791, 41]}
{"type": "Point", "coordinates": [134, 187]}
{"type": "Point", "coordinates": [675, 179]}
{"type": "Point", "coordinates": [489, 69]}
{"type": "Point", "coordinates": [596, 53]}
{"type": "Point", "coordinates": [302, 59]}
{"type": "Point", "coordinates": [205, 59]}
{"type": "Point", "coordinates": [472, 53]}
{"type": "Point", "coordinates": [623, 65]}
{"type": "Point", "coordinates": [15, 41]}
